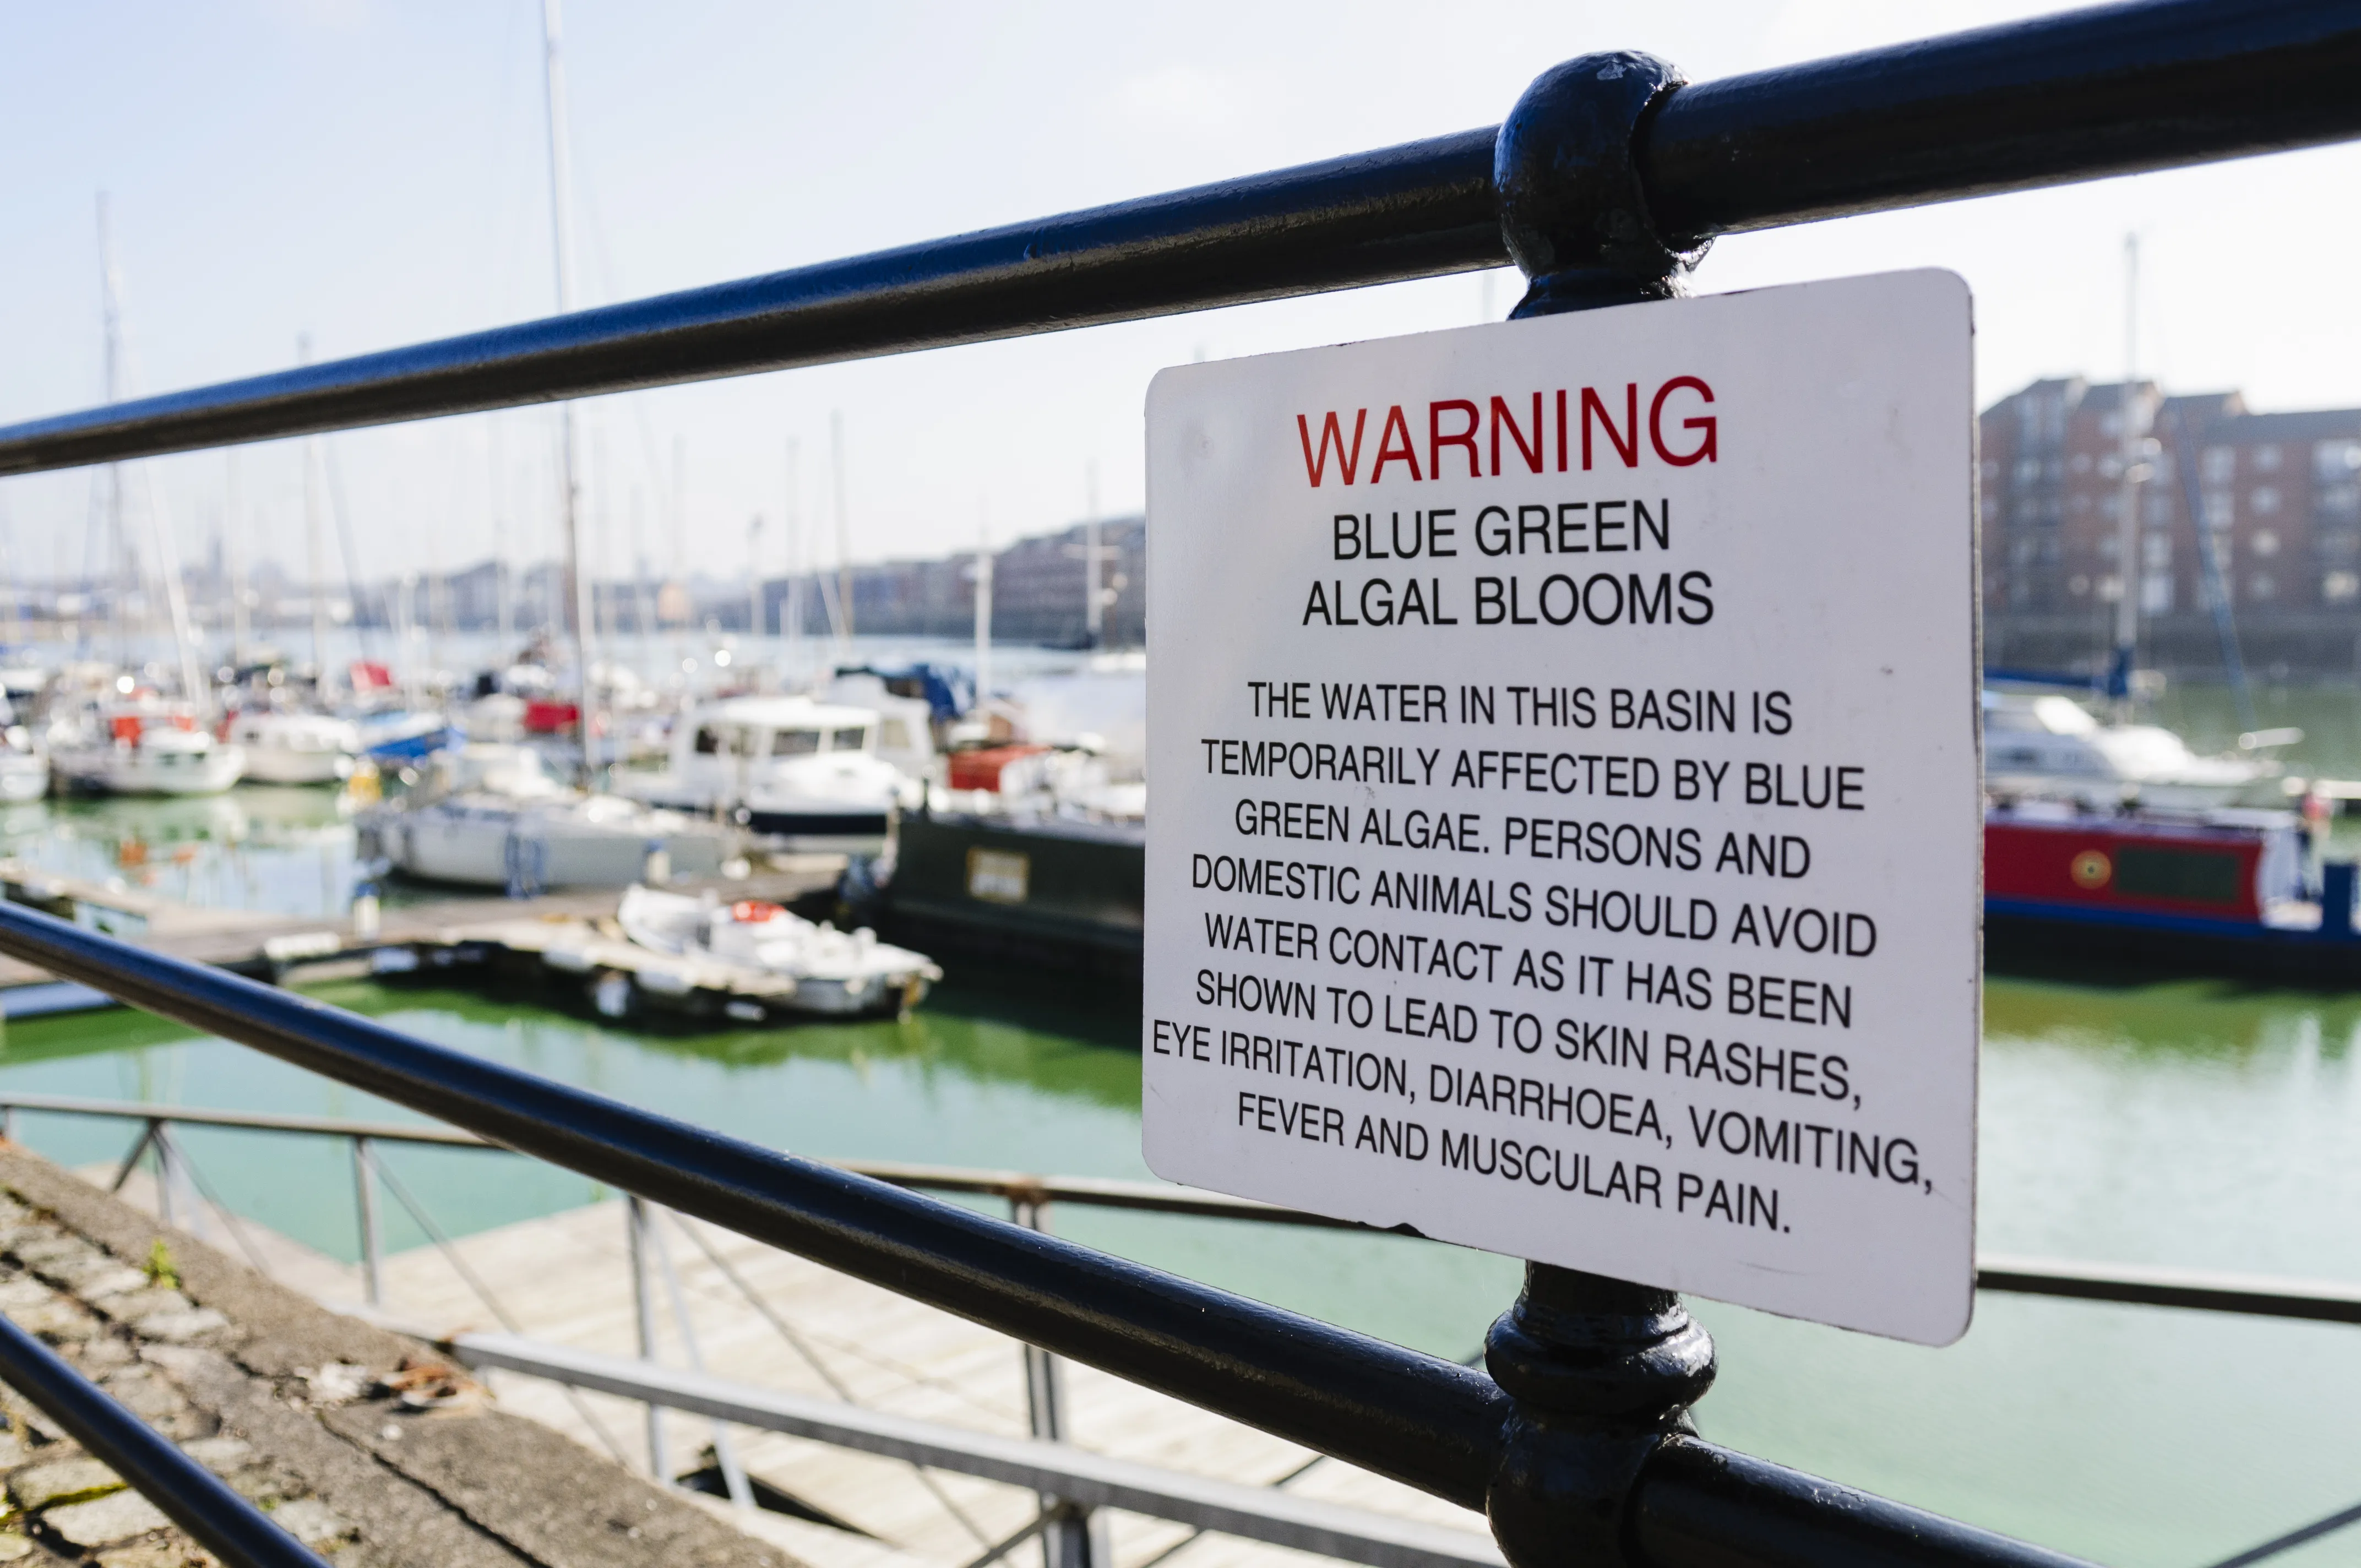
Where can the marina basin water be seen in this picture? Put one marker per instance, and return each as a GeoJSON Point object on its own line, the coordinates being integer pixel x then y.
{"type": "Point", "coordinates": [2194, 1125]}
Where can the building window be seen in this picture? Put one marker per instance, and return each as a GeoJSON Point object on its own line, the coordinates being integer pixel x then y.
{"type": "Point", "coordinates": [2266, 459]}
{"type": "Point", "coordinates": [2266, 543]}
{"type": "Point", "coordinates": [1992, 469]}
{"type": "Point", "coordinates": [2157, 507]}
{"type": "Point", "coordinates": [2028, 470]}
{"type": "Point", "coordinates": [2265, 500]}
{"type": "Point", "coordinates": [2221, 465]}
{"type": "Point", "coordinates": [2259, 588]}
{"type": "Point", "coordinates": [2221, 510]}
{"type": "Point", "coordinates": [2155, 593]}
{"type": "Point", "coordinates": [2157, 550]}
{"type": "Point", "coordinates": [1991, 505]}
{"type": "Point", "coordinates": [2081, 462]}
{"type": "Point", "coordinates": [2078, 585]}
{"type": "Point", "coordinates": [2336, 462]}
{"type": "Point", "coordinates": [2341, 587]}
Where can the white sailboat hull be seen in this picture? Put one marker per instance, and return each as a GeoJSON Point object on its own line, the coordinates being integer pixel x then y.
{"type": "Point", "coordinates": [24, 775]}
{"type": "Point", "coordinates": [531, 848]}
{"type": "Point", "coordinates": [132, 771]}
{"type": "Point", "coordinates": [280, 765]}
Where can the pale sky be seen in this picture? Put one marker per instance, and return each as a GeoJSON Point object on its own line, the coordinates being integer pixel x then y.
{"type": "Point", "coordinates": [375, 173]}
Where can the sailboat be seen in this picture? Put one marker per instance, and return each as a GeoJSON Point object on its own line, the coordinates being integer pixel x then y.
{"type": "Point", "coordinates": [138, 741]}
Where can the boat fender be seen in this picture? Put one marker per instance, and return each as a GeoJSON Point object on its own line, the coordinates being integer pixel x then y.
{"type": "Point", "coordinates": [611, 993]}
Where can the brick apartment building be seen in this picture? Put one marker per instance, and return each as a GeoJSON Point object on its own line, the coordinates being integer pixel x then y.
{"type": "Point", "coordinates": [2278, 496]}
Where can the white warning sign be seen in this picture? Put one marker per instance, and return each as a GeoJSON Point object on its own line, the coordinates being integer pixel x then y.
{"type": "Point", "coordinates": [1566, 821]}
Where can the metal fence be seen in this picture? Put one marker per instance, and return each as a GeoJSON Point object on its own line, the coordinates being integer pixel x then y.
{"type": "Point", "coordinates": [1605, 184]}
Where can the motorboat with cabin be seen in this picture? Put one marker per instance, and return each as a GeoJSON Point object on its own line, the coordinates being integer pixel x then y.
{"type": "Point", "coordinates": [828, 971]}
{"type": "Point", "coordinates": [801, 774]}
{"type": "Point", "coordinates": [287, 746]}
{"type": "Point", "coordinates": [141, 747]}
{"type": "Point", "coordinates": [490, 815]}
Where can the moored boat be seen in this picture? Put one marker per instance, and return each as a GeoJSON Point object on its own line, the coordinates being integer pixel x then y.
{"type": "Point", "coordinates": [798, 774]}
{"type": "Point", "coordinates": [142, 748]}
{"type": "Point", "coordinates": [289, 747]}
{"type": "Point", "coordinates": [2214, 891]}
{"type": "Point", "coordinates": [491, 815]}
{"type": "Point", "coordinates": [829, 971]}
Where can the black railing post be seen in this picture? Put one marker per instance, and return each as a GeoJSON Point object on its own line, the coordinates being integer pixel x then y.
{"type": "Point", "coordinates": [1573, 208]}
{"type": "Point", "coordinates": [1601, 1371]}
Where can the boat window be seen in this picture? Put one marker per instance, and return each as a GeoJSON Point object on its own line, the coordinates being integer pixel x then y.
{"type": "Point", "coordinates": [795, 742]}
{"type": "Point", "coordinates": [894, 735]}
{"type": "Point", "coordinates": [846, 739]}
{"type": "Point", "coordinates": [710, 742]}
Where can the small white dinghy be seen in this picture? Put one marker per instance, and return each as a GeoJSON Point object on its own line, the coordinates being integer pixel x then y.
{"type": "Point", "coordinates": [828, 970]}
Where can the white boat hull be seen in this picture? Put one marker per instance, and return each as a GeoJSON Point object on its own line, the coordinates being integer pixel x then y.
{"type": "Point", "coordinates": [127, 771]}
{"type": "Point", "coordinates": [268, 765]}
{"type": "Point", "coordinates": [23, 776]}
{"type": "Point", "coordinates": [529, 850]}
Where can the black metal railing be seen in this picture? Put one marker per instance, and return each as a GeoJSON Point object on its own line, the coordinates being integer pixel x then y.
{"type": "Point", "coordinates": [1604, 184]}
{"type": "Point", "coordinates": [2082, 95]}
{"type": "Point", "coordinates": [1432, 1424]}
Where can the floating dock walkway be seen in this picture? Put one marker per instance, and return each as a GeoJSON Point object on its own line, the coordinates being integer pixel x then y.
{"type": "Point", "coordinates": [294, 949]}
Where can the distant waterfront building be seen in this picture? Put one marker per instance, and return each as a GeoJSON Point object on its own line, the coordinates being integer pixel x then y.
{"type": "Point", "coordinates": [1037, 592]}
{"type": "Point", "coordinates": [2278, 496]}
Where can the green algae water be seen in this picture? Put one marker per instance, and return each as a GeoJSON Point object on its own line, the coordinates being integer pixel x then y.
{"type": "Point", "coordinates": [2196, 1124]}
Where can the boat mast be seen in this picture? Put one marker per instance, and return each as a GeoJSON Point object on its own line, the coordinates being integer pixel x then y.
{"type": "Point", "coordinates": [111, 325]}
{"type": "Point", "coordinates": [233, 546]}
{"type": "Point", "coordinates": [843, 540]}
{"type": "Point", "coordinates": [791, 613]}
{"type": "Point", "coordinates": [754, 583]}
{"type": "Point", "coordinates": [167, 567]}
{"type": "Point", "coordinates": [2132, 430]}
{"type": "Point", "coordinates": [314, 550]}
{"type": "Point", "coordinates": [982, 606]}
{"type": "Point", "coordinates": [502, 626]}
{"type": "Point", "coordinates": [561, 226]}
{"type": "Point", "coordinates": [1094, 607]}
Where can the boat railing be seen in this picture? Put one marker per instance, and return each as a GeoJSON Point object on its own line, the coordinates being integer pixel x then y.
{"type": "Point", "coordinates": [1575, 1447]}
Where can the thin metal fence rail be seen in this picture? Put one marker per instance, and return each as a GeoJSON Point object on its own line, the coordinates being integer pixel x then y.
{"type": "Point", "coordinates": [2248, 1295]}
{"type": "Point", "coordinates": [2081, 95]}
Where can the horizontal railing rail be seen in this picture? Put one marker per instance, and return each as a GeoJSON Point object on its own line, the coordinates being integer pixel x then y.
{"type": "Point", "coordinates": [1056, 1469]}
{"type": "Point", "coordinates": [2081, 95]}
{"type": "Point", "coordinates": [1438, 1427]}
{"type": "Point", "coordinates": [2250, 1295]}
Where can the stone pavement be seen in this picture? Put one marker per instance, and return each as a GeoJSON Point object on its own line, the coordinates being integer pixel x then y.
{"type": "Point", "coordinates": [359, 1442]}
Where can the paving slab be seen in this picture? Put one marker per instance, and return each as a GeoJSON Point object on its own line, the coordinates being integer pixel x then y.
{"type": "Point", "coordinates": [298, 1408]}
